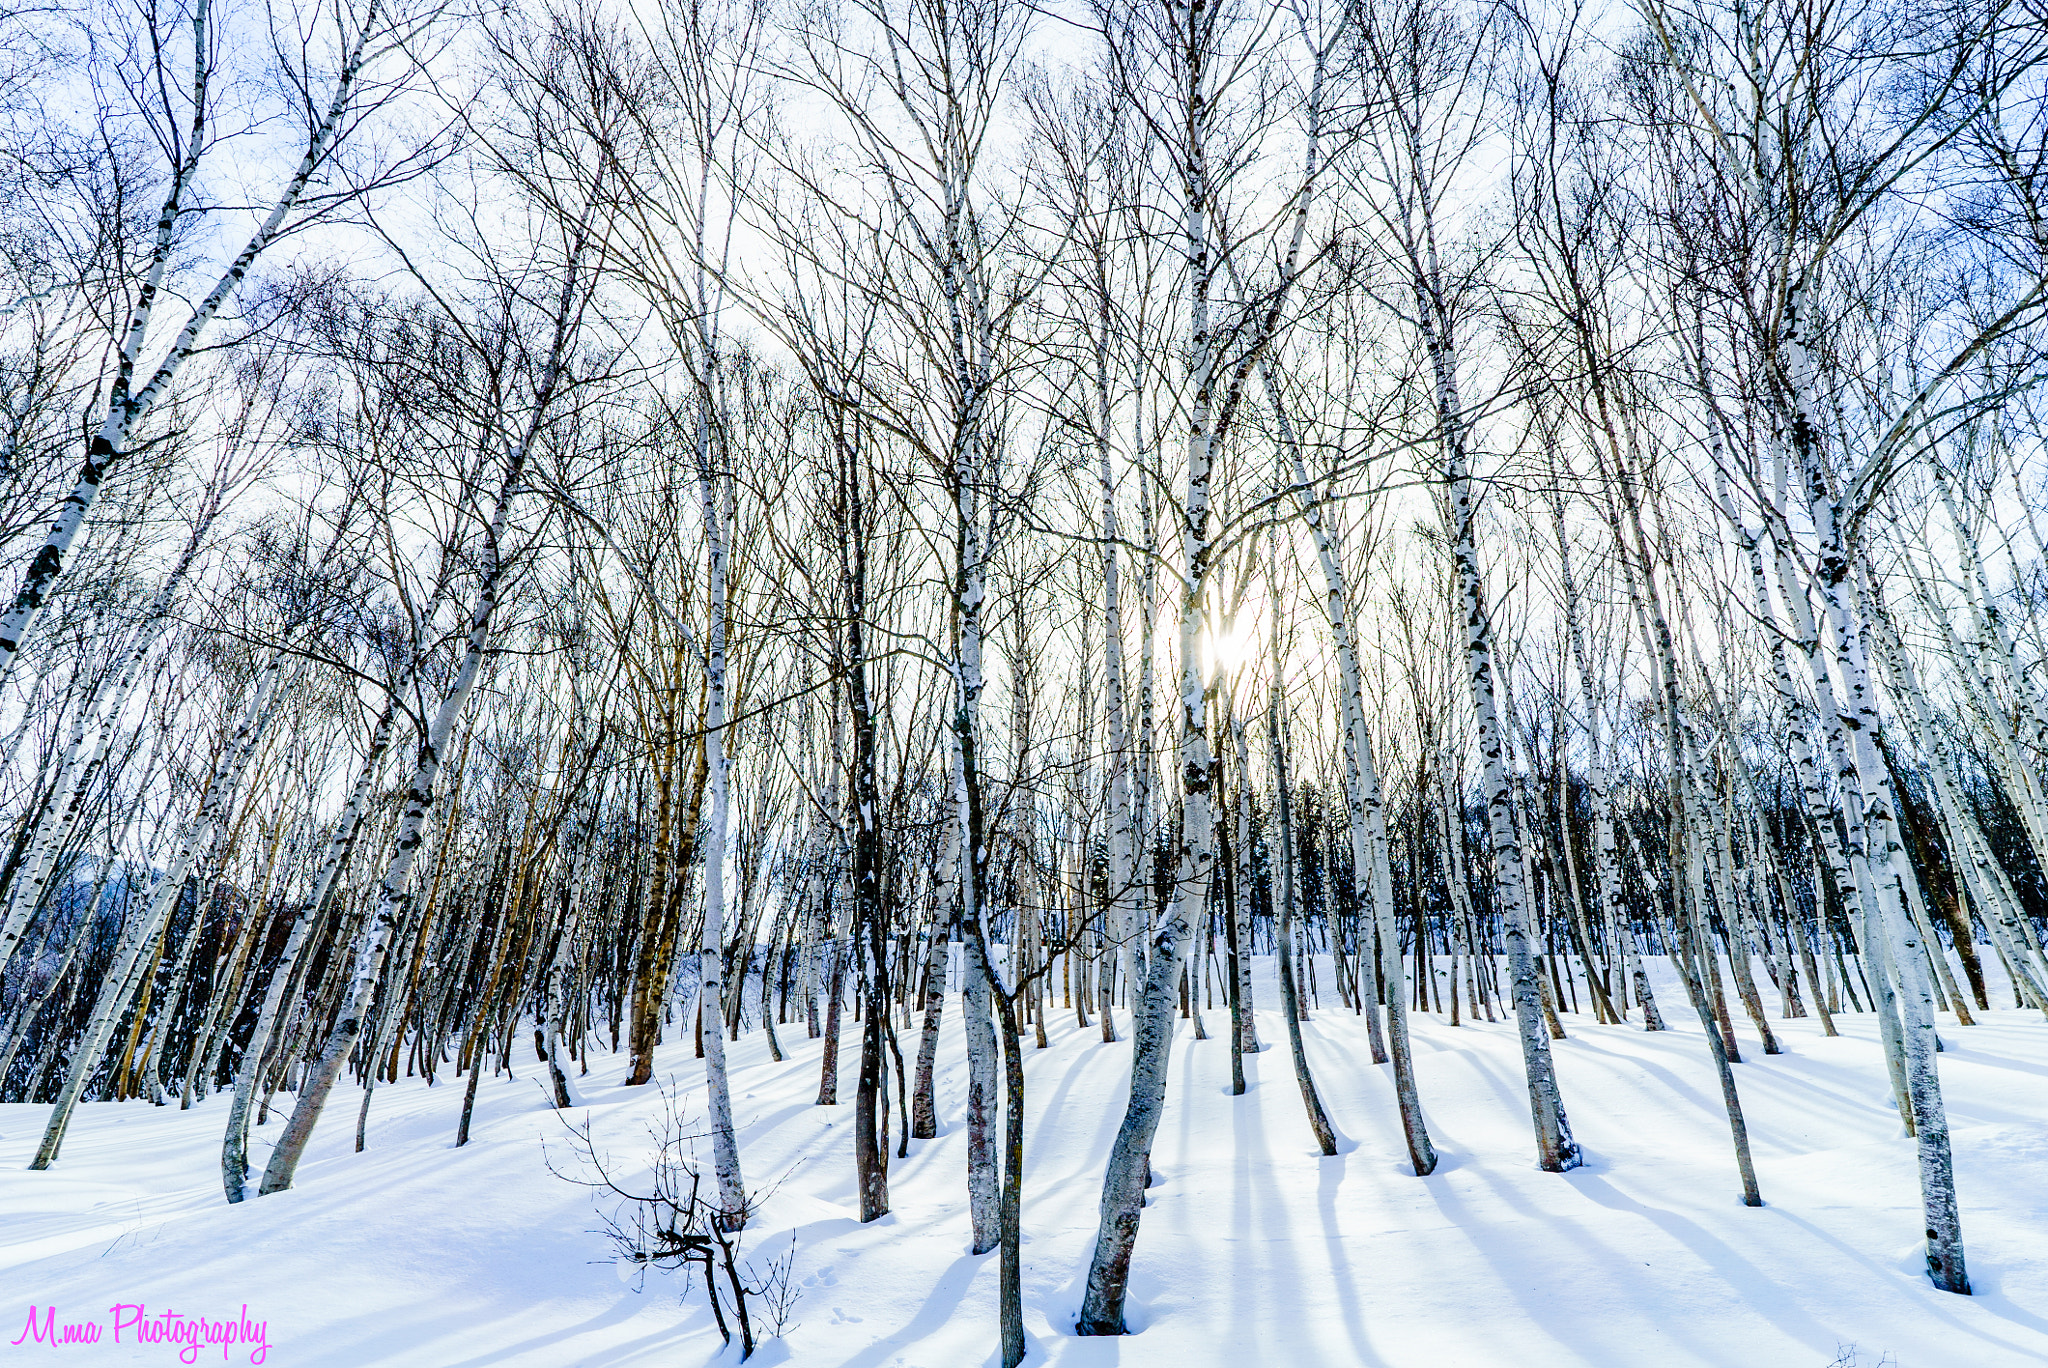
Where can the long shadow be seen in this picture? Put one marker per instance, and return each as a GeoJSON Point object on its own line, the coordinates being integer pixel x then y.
{"type": "Point", "coordinates": [1329, 1181]}
{"type": "Point", "coordinates": [1953, 1055]}
{"type": "Point", "coordinates": [1942, 1304]}
{"type": "Point", "coordinates": [1793, 1088]}
{"type": "Point", "coordinates": [1503, 1076]}
{"type": "Point", "coordinates": [1182, 1088]}
{"type": "Point", "coordinates": [1512, 1279]}
{"type": "Point", "coordinates": [1692, 1093]}
{"type": "Point", "coordinates": [1110, 1117]}
{"type": "Point", "coordinates": [620, 1310]}
{"type": "Point", "coordinates": [1758, 1290]}
{"type": "Point", "coordinates": [1362, 1091]}
{"type": "Point", "coordinates": [763, 1123]}
{"type": "Point", "coordinates": [1249, 1156]}
{"type": "Point", "coordinates": [947, 1293]}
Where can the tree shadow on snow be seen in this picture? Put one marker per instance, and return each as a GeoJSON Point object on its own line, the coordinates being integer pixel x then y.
{"type": "Point", "coordinates": [948, 1292]}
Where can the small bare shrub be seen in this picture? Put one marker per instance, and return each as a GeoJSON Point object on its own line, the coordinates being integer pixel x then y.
{"type": "Point", "coordinates": [668, 1223]}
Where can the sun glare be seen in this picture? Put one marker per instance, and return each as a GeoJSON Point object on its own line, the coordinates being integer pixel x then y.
{"type": "Point", "coordinates": [1227, 648]}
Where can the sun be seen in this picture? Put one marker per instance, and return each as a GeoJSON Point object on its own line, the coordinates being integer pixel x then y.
{"type": "Point", "coordinates": [1226, 646]}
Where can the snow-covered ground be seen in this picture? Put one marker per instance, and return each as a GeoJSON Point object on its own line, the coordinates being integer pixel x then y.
{"type": "Point", "coordinates": [1254, 1249]}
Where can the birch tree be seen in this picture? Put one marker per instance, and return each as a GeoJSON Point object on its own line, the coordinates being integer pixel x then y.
{"type": "Point", "coordinates": [367, 66]}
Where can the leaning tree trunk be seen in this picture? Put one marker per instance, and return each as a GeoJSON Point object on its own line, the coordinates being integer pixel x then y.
{"type": "Point", "coordinates": [1290, 991]}
{"type": "Point", "coordinates": [126, 405]}
{"type": "Point", "coordinates": [76, 771]}
{"type": "Point", "coordinates": [1365, 809]}
{"type": "Point", "coordinates": [1124, 1178]}
{"type": "Point", "coordinates": [1861, 768]}
{"type": "Point", "coordinates": [234, 1161]}
{"type": "Point", "coordinates": [196, 844]}
{"type": "Point", "coordinates": [1556, 1150]}
{"type": "Point", "coordinates": [395, 894]}
{"type": "Point", "coordinates": [1982, 877]}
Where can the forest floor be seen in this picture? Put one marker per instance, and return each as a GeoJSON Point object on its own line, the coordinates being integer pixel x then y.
{"type": "Point", "coordinates": [1255, 1250]}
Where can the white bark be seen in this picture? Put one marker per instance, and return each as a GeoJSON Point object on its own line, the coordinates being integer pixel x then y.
{"type": "Point", "coordinates": [75, 772]}
{"type": "Point", "coordinates": [1871, 829]}
{"type": "Point", "coordinates": [394, 894]}
{"type": "Point", "coordinates": [196, 843]}
{"type": "Point", "coordinates": [127, 406]}
{"type": "Point", "coordinates": [725, 1156]}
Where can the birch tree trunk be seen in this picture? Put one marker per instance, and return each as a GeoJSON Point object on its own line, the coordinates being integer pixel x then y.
{"type": "Point", "coordinates": [235, 1145]}
{"type": "Point", "coordinates": [1290, 991]}
{"type": "Point", "coordinates": [196, 844]}
{"type": "Point", "coordinates": [1129, 1167]}
{"type": "Point", "coordinates": [725, 1155]}
{"type": "Point", "coordinates": [1129, 890]}
{"type": "Point", "coordinates": [983, 1198]}
{"type": "Point", "coordinates": [394, 893]}
{"type": "Point", "coordinates": [394, 896]}
{"type": "Point", "coordinates": [1365, 809]}
{"type": "Point", "coordinates": [1873, 824]}
{"type": "Point", "coordinates": [75, 773]}
{"type": "Point", "coordinates": [127, 406]}
{"type": "Point", "coordinates": [1556, 1150]}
